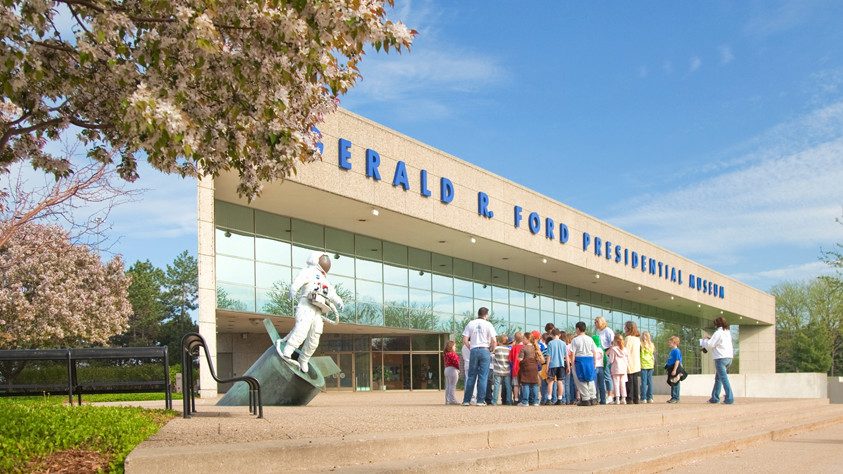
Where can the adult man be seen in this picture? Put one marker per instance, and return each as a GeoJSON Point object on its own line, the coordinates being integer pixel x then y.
{"type": "Point", "coordinates": [479, 337]}
{"type": "Point", "coordinates": [312, 305]}
{"type": "Point", "coordinates": [583, 351]}
{"type": "Point", "coordinates": [604, 377]}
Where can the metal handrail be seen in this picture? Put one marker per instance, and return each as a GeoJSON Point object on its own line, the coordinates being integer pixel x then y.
{"type": "Point", "coordinates": [192, 341]}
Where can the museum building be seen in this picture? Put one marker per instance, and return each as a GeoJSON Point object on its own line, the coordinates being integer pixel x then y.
{"type": "Point", "coordinates": [419, 241]}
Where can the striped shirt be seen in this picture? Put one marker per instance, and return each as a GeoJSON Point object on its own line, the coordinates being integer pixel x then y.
{"type": "Point", "coordinates": [501, 360]}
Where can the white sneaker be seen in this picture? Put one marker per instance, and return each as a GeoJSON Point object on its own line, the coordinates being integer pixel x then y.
{"type": "Point", "coordinates": [303, 365]}
{"type": "Point", "coordinates": [623, 401]}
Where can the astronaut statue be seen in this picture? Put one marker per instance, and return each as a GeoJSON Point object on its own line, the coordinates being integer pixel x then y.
{"type": "Point", "coordinates": [316, 298]}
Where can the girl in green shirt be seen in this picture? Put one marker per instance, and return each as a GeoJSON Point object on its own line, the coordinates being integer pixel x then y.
{"type": "Point", "coordinates": [648, 362]}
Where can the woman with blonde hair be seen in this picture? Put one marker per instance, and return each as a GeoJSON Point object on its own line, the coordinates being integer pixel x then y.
{"type": "Point", "coordinates": [604, 379]}
{"type": "Point", "coordinates": [452, 373]}
{"type": "Point", "coordinates": [648, 363]}
{"type": "Point", "coordinates": [632, 342]}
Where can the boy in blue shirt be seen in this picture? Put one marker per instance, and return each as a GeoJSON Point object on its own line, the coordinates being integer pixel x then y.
{"type": "Point", "coordinates": [556, 352]}
{"type": "Point", "coordinates": [672, 367]}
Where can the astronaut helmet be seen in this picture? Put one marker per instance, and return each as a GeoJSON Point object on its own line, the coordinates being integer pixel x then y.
{"type": "Point", "coordinates": [321, 260]}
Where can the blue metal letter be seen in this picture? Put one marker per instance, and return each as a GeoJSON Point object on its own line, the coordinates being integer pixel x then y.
{"type": "Point", "coordinates": [423, 179]}
{"type": "Point", "coordinates": [673, 275]}
{"type": "Point", "coordinates": [598, 246]}
{"type": "Point", "coordinates": [548, 227]}
{"type": "Point", "coordinates": [534, 222]}
{"type": "Point", "coordinates": [692, 282]}
{"type": "Point", "coordinates": [401, 176]}
{"type": "Point", "coordinates": [517, 216]}
{"type": "Point", "coordinates": [373, 160]}
{"type": "Point", "coordinates": [586, 241]}
{"type": "Point", "coordinates": [563, 233]}
{"type": "Point", "coordinates": [634, 259]}
{"type": "Point", "coordinates": [643, 263]}
{"type": "Point", "coordinates": [344, 154]}
{"type": "Point", "coordinates": [722, 292]}
{"type": "Point", "coordinates": [483, 204]}
{"type": "Point", "coordinates": [446, 190]}
{"type": "Point", "coordinates": [617, 253]}
{"type": "Point", "coordinates": [608, 250]}
{"type": "Point", "coordinates": [652, 266]}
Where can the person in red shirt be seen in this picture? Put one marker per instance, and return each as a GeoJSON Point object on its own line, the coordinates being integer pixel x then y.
{"type": "Point", "coordinates": [452, 373]}
{"type": "Point", "coordinates": [517, 345]}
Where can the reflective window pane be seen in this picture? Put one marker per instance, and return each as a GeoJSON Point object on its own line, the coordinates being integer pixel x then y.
{"type": "Point", "coordinates": [369, 270]}
{"type": "Point", "coordinates": [233, 216]}
{"type": "Point", "coordinates": [395, 295]}
{"type": "Point", "coordinates": [235, 297]}
{"type": "Point", "coordinates": [395, 275]}
{"type": "Point", "coordinates": [235, 270]}
{"type": "Point", "coordinates": [443, 302]}
{"type": "Point", "coordinates": [420, 279]}
{"type": "Point", "coordinates": [443, 284]}
{"type": "Point", "coordinates": [309, 234]}
{"type": "Point", "coordinates": [463, 288]}
{"type": "Point", "coordinates": [272, 225]}
{"type": "Point", "coordinates": [235, 244]}
{"type": "Point", "coordinates": [272, 251]}
{"type": "Point", "coordinates": [267, 275]}
{"type": "Point", "coordinates": [463, 306]}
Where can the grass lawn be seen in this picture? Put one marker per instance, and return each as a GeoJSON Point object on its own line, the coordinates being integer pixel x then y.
{"type": "Point", "coordinates": [43, 434]}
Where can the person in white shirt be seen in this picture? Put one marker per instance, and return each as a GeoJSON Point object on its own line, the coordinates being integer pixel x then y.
{"type": "Point", "coordinates": [604, 375]}
{"type": "Point", "coordinates": [583, 352]}
{"type": "Point", "coordinates": [720, 346]}
{"type": "Point", "coordinates": [479, 336]}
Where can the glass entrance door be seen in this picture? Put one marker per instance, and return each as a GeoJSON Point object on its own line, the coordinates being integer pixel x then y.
{"type": "Point", "coordinates": [345, 379]}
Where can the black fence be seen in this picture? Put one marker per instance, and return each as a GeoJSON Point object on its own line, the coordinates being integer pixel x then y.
{"type": "Point", "coordinates": [96, 366]}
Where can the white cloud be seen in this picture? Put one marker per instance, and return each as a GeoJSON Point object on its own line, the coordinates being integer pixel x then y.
{"type": "Point", "coordinates": [796, 272]}
{"type": "Point", "coordinates": [694, 64]}
{"type": "Point", "coordinates": [726, 55]}
{"type": "Point", "coordinates": [771, 19]}
{"type": "Point", "coordinates": [165, 209]}
{"type": "Point", "coordinates": [777, 195]}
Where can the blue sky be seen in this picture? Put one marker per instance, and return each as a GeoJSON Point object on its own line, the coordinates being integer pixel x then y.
{"type": "Point", "coordinates": [712, 129]}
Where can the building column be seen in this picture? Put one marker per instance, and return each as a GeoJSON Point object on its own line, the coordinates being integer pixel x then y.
{"type": "Point", "coordinates": [758, 349]}
{"type": "Point", "coordinates": [207, 283]}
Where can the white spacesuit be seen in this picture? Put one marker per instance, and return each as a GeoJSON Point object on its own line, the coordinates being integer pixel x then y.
{"type": "Point", "coordinates": [313, 291]}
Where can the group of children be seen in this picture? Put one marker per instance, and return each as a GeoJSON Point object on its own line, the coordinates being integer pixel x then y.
{"type": "Point", "coordinates": [549, 369]}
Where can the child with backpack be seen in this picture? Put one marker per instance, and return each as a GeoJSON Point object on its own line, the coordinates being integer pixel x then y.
{"type": "Point", "coordinates": [674, 368]}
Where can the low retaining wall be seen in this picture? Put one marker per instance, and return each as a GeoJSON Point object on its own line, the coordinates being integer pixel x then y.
{"type": "Point", "coordinates": [791, 385]}
{"type": "Point", "coordinates": [835, 389]}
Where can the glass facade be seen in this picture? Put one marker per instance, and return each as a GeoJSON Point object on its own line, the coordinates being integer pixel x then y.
{"type": "Point", "coordinates": [385, 284]}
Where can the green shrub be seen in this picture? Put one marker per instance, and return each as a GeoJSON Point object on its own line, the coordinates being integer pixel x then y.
{"type": "Point", "coordinates": [33, 429]}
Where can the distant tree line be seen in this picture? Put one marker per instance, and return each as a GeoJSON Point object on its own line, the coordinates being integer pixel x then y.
{"type": "Point", "coordinates": [809, 321]}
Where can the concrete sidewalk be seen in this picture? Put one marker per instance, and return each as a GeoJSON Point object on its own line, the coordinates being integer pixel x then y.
{"type": "Point", "coordinates": [819, 451]}
{"type": "Point", "coordinates": [341, 414]}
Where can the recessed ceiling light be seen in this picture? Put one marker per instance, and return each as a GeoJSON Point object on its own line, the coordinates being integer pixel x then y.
{"type": "Point", "coordinates": [639, 288]}
{"type": "Point", "coordinates": [721, 312]}
{"type": "Point", "coordinates": [596, 275]}
{"type": "Point", "coordinates": [741, 317]}
{"type": "Point", "coordinates": [473, 240]}
{"type": "Point", "coordinates": [699, 306]}
{"type": "Point", "coordinates": [376, 212]}
{"type": "Point", "coordinates": [544, 260]}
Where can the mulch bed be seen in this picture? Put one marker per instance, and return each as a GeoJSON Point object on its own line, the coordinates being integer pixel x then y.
{"type": "Point", "coordinates": [74, 461]}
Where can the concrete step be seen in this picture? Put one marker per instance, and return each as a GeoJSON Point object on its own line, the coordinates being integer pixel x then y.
{"type": "Point", "coordinates": [561, 425]}
{"type": "Point", "coordinates": [675, 453]}
{"type": "Point", "coordinates": [549, 452]}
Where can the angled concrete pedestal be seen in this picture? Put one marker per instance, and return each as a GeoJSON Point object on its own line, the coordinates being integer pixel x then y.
{"type": "Point", "coordinates": [282, 384]}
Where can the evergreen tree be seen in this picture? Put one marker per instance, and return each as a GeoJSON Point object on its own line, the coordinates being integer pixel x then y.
{"type": "Point", "coordinates": [148, 311]}
{"type": "Point", "coordinates": [180, 295]}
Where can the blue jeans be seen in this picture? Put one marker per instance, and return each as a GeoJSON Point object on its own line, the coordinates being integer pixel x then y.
{"type": "Point", "coordinates": [529, 393]}
{"type": "Point", "coordinates": [604, 382]}
{"type": "Point", "coordinates": [674, 392]}
{"type": "Point", "coordinates": [646, 384]}
{"type": "Point", "coordinates": [506, 396]}
{"type": "Point", "coordinates": [721, 377]}
{"type": "Point", "coordinates": [478, 373]}
{"type": "Point", "coordinates": [570, 387]}
{"type": "Point", "coordinates": [552, 391]}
